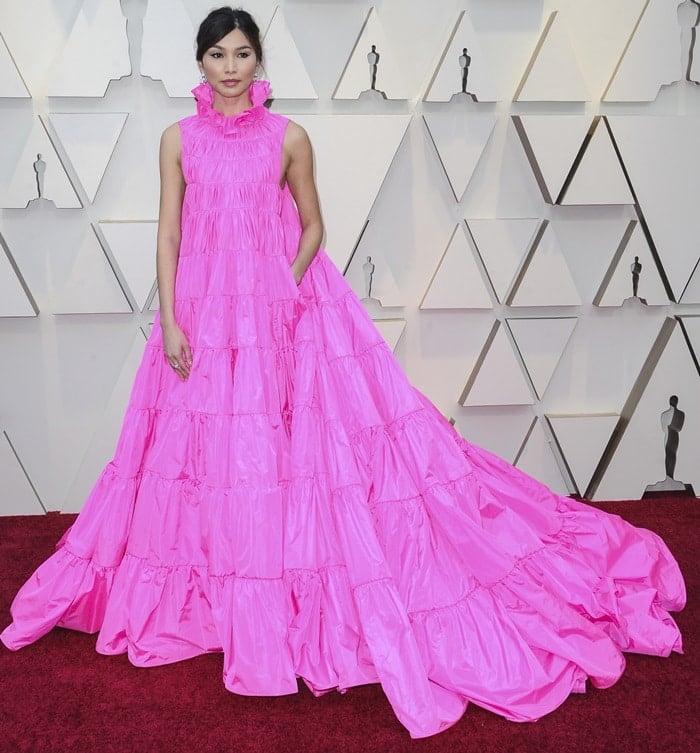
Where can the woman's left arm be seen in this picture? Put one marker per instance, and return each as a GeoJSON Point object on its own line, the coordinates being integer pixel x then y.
{"type": "Point", "coordinates": [299, 173]}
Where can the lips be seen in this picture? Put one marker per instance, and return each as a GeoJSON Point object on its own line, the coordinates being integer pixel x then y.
{"type": "Point", "coordinates": [231, 81]}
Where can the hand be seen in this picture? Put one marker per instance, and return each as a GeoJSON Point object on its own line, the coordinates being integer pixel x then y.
{"type": "Point", "coordinates": [296, 273]}
{"type": "Point", "coordinates": [177, 350]}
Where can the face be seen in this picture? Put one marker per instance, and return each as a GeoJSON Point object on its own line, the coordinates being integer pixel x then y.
{"type": "Point", "coordinates": [230, 64]}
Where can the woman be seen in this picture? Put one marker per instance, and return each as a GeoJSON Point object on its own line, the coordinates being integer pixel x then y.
{"type": "Point", "coordinates": [281, 493]}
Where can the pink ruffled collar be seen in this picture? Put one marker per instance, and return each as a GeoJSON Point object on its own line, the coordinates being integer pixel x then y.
{"type": "Point", "coordinates": [259, 93]}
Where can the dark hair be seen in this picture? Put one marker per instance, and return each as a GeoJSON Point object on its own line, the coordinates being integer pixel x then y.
{"type": "Point", "coordinates": [221, 22]}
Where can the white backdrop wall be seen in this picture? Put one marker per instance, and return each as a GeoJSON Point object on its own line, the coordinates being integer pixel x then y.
{"type": "Point", "coordinates": [502, 222]}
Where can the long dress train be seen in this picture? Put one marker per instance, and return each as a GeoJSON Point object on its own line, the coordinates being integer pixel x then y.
{"type": "Point", "coordinates": [297, 505]}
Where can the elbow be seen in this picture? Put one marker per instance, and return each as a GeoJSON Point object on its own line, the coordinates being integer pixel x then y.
{"type": "Point", "coordinates": [168, 247]}
{"type": "Point", "coordinates": [315, 229]}
{"type": "Point", "coordinates": [169, 241]}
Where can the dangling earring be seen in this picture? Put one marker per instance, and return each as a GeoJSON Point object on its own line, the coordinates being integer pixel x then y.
{"type": "Point", "coordinates": [203, 79]}
{"type": "Point", "coordinates": [256, 75]}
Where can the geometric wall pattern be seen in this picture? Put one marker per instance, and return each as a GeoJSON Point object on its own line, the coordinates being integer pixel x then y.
{"type": "Point", "coordinates": [541, 344]}
{"type": "Point", "coordinates": [497, 377]}
{"type": "Point", "coordinates": [617, 283]}
{"type": "Point", "coordinates": [88, 140]}
{"type": "Point", "coordinates": [389, 80]}
{"type": "Point", "coordinates": [131, 244]}
{"type": "Point", "coordinates": [460, 137]}
{"type": "Point", "coordinates": [457, 282]}
{"type": "Point", "coordinates": [637, 461]}
{"type": "Point", "coordinates": [515, 171]}
{"type": "Point", "coordinates": [580, 439]}
{"type": "Point", "coordinates": [97, 47]}
{"type": "Point", "coordinates": [662, 166]}
{"type": "Point", "coordinates": [553, 73]}
{"type": "Point", "coordinates": [545, 278]}
{"type": "Point", "coordinates": [474, 79]}
{"type": "Point", "coordinates": [638, 77]}
{"type": "Point", "coordinates": [11, 84]}
{"type": "Point", "coordinates": [537, 459]}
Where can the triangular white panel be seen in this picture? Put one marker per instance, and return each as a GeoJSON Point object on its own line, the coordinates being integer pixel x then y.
{"type": "Point", "coordinates": [691, 293]}
{"type": "Point", "coordinates": [457, 281]}
{"type": "Point", "coordinates": [96, 52]}
{"type": "Point", "coordinates": [18, 496]}
{"type": "Point", "coordinates": [356, 76]}
{"type": "Point", "coordinates": [662, 159]}
{"type": "Point", "coordinates": [283, 64]}
{"type": "Point", "coordinates": [14, 300]}
{"type": "Point", "coordinates": [449, 75]}
{"type": "Point", "coordinates": [391, 330]}
{"type": "Point", "coordinates": [460, 137]}
{"type": "Point", "coordinates": [552, 143]}
{"type": "Point", "coordinates": [593, 242]}
{"type": "Point", "coordinates": [500, 430]}
{"type": "Point", "coordinates": [133, 245]}
{"type": "Point", "coordinates": [167, 32]}
{"type": "Point", "coordinates": [84, 283]}
{"type": "Point", "coordinates": [502, 245]}
{"type": "Point", "coordinates": [639, 460]}
{"type": "Point", "coordinates": [536, 459]}
{"type": "Point", "coordinates": [553, 74]}
{"type": "Point", "coordinates": [104, 441]}
{"type": "Point", "coordinates": [619, 287]}
{"type": "Point", "coordinates": [355, 152]}
{"type": "Point", "coordinates": [652, 58]}
{"type": "Point", "coordinates": [497, 377]}
{"type": "Point", "coordinates": [11, 84]}
{"type": "Point", "coordinates": [582, 440]}
{"type": "Point", "coordinates": [130, 186]}
{"type": "Point", "coordinates": [23, 139]}
{"type": "Point", "coordinates": [599, 178]}
{"type": "Point", "coordinates": [547, 280]}
{"type": "Point", "coordinates": [600, 32]}
{"type": "Point", "coordinates": [541, 343]}
{"type": "Point", "coordinates": [89, 140]}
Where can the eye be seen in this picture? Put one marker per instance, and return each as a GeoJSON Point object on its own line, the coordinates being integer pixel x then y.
{"type": "Point", "coordinates": [216, 54]}
{"type": "Point", "coordinates": [243, 54]}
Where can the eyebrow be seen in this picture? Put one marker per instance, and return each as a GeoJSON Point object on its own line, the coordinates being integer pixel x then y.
{"type": "Point", "coordinates": [237, 49]}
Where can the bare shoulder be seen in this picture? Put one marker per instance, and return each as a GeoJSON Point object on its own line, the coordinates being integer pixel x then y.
{"type": "Point", "coordinates": [296, 138]}
{"type": "Point", "coordinates": [171, 138]}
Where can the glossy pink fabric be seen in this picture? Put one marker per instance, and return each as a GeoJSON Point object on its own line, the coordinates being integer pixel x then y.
{"type": "Point", "coordinates": [298, 505]}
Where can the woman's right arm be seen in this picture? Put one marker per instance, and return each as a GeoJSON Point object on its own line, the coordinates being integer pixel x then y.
{"type": "Point", "coordinates": [172, 190]}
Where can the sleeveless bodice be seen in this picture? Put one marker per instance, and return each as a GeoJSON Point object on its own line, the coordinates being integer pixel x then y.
{"type": "Point", "coordinates": [232, 163]}
{"type": "Point", "coordinates": [233, 211]}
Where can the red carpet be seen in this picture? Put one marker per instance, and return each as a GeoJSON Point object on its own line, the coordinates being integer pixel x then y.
{"type": "Point", "coordinates": [59, 695]}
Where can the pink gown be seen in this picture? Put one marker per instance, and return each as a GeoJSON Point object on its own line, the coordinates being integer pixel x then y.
{"type": "Point", "coordinates": [299, 506]}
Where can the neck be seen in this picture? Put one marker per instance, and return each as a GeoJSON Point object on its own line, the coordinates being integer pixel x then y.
{"type": "Point", "coordinates": [232, 105]}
